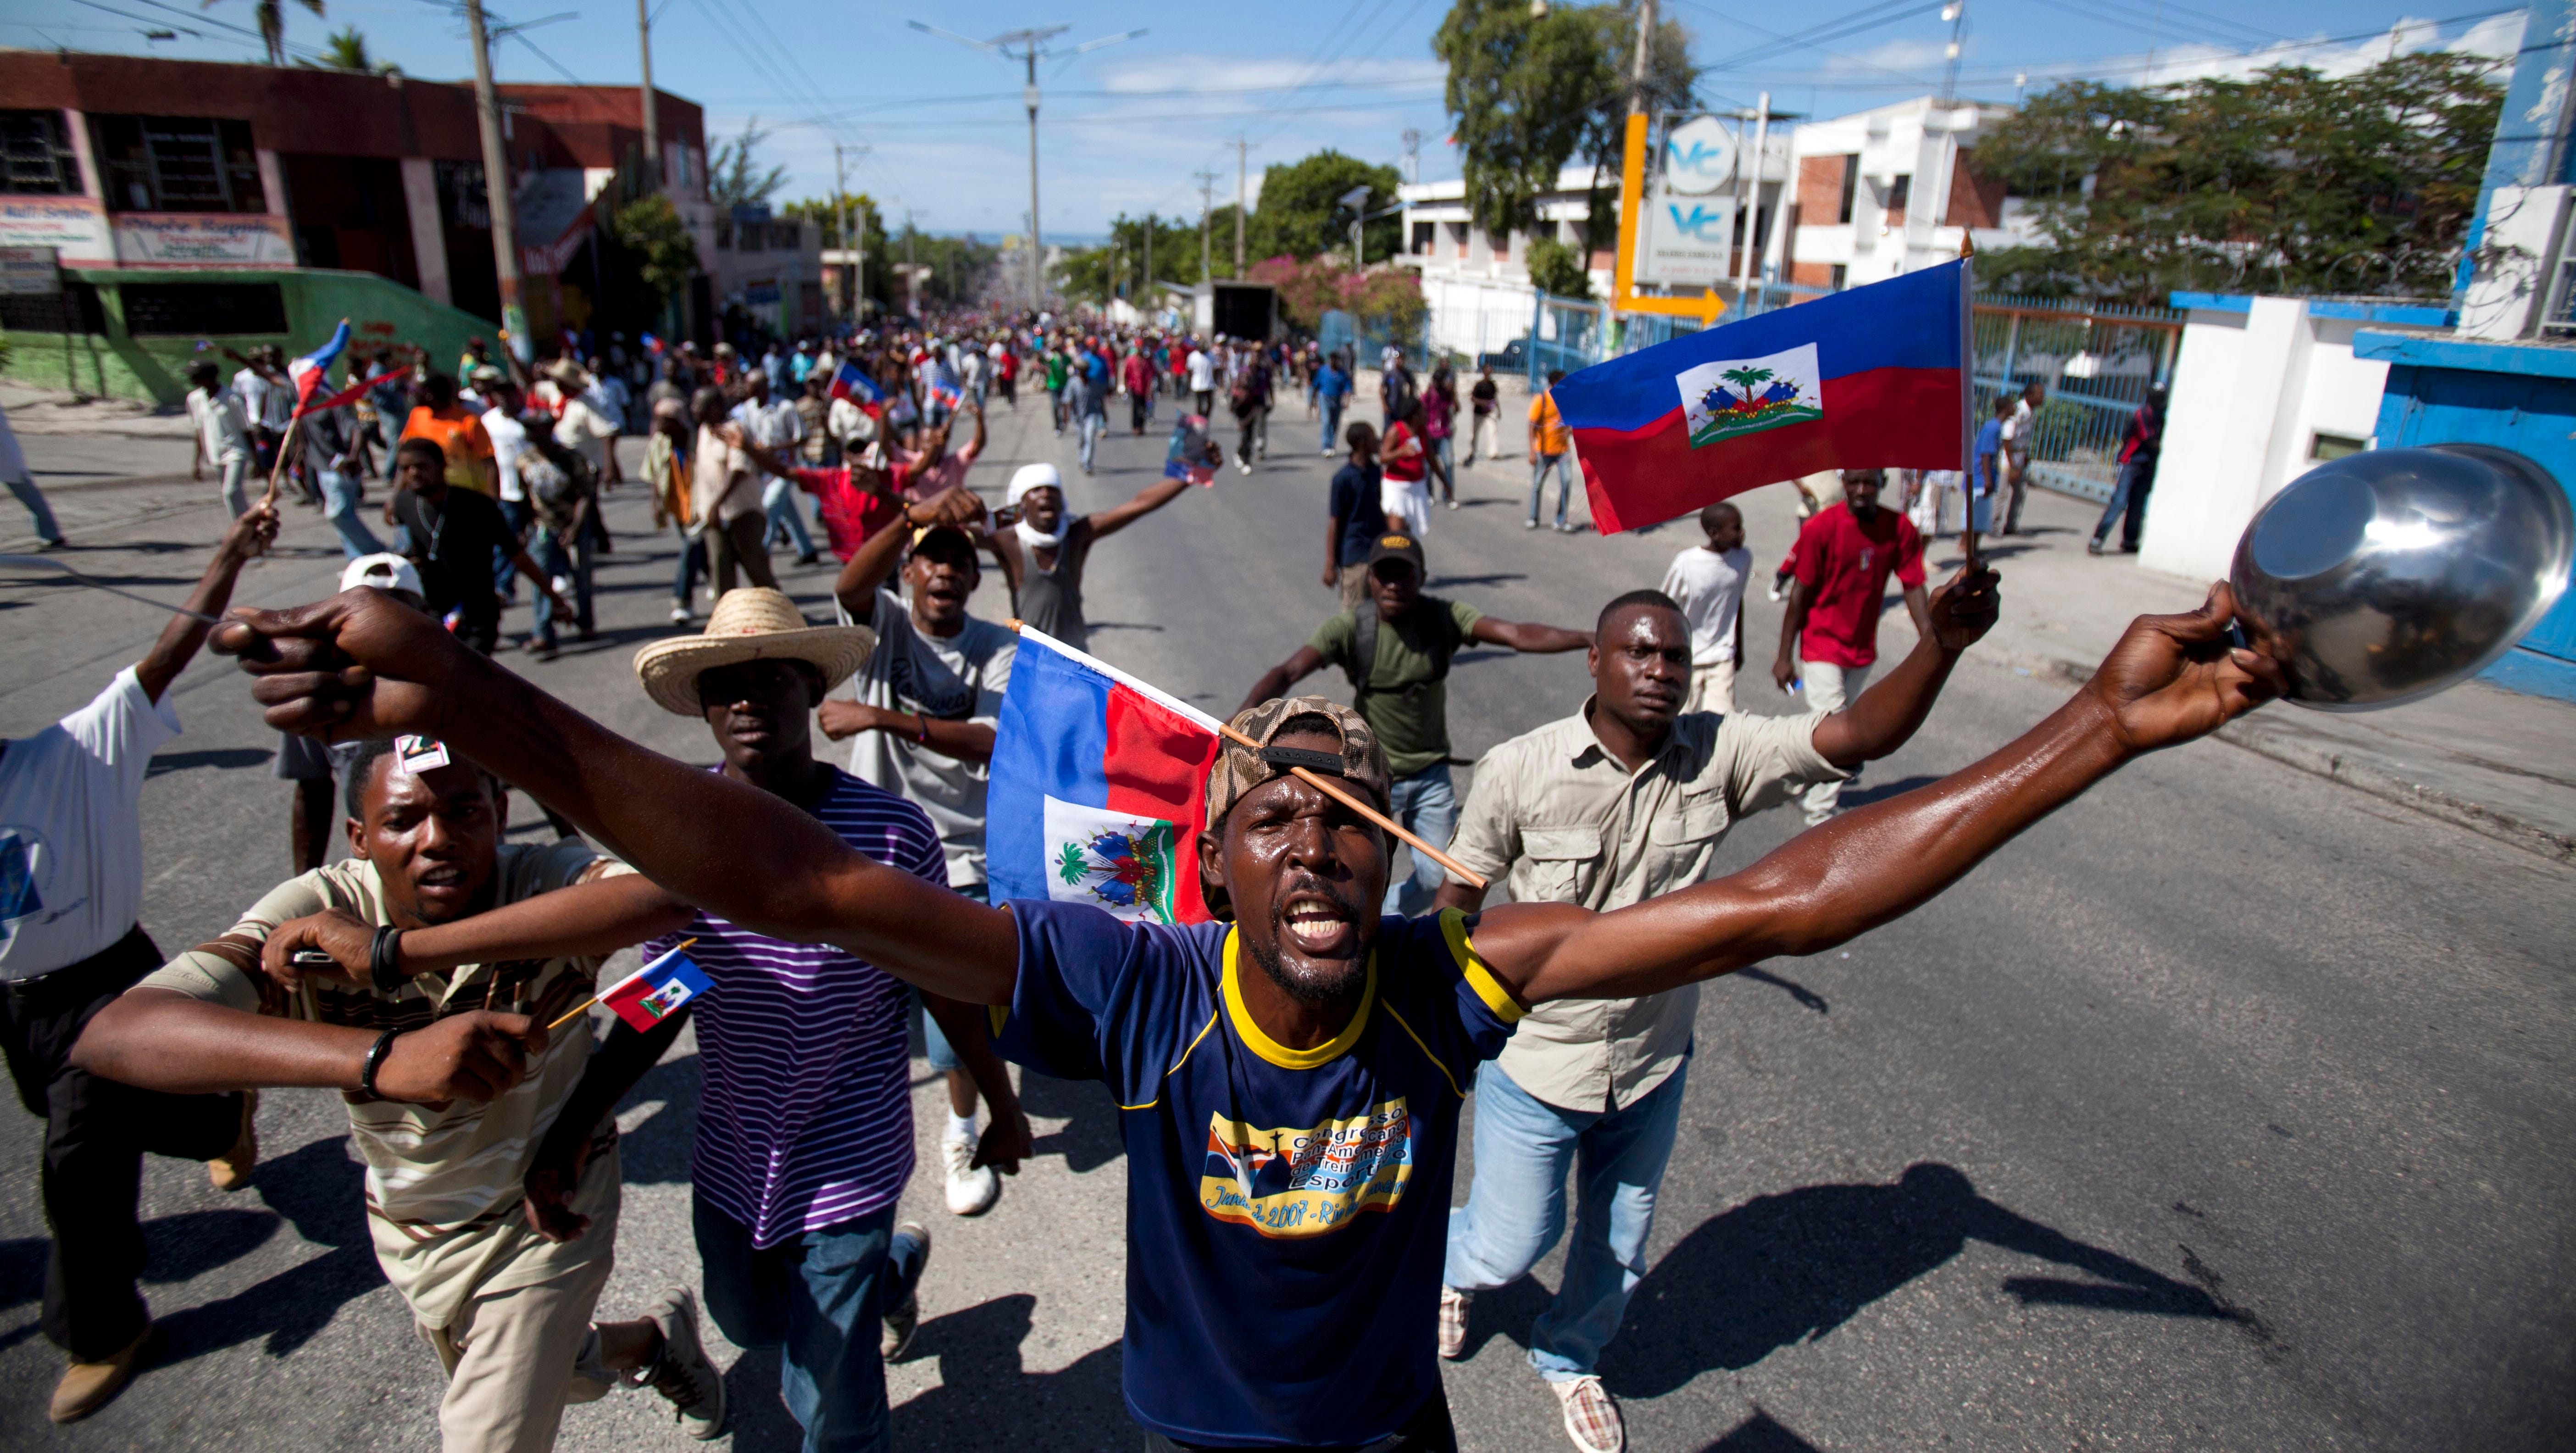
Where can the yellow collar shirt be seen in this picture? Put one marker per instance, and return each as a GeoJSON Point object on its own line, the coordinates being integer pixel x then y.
{"type": "Point", "coordinates": [1560, 820]}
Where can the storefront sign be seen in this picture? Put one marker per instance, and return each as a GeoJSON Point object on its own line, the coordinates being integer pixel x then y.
{"type": "Point", "coordinates": [29, 272]}
{"type": "Point", "coordinates": [203, 239]}
{"type": "Point", "coordinates": [1687, 241]}
{"type": "Point", "coordinates": [73, 226]}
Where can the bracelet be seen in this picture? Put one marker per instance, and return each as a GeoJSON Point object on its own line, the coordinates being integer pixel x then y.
{"type": "Point", "coordinates": [384, 965]}
{"type": "Point", "coordinates": [374, 1061]}
{"type": "Point", "coordinates": [922, 736]}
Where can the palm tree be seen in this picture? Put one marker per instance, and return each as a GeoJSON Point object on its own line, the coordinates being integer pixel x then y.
{"type": "Point", "coordinates": [346, 50]}
{"type": "Point", "coordinates": [1745, 379]}
{"type": "Point", "coordinates": [272, 24]}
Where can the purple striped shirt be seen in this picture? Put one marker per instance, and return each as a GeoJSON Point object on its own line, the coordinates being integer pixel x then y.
{"type": "Point", "coordinates": [805, 1120]}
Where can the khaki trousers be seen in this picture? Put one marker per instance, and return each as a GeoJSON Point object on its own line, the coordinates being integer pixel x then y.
{"type": "Point", "coordinates": [1712, 688]}
{"type": "Point", "coordinates": [514, 1359]}
{"type": "Point", "coordinates": [1355, 586]}
{"type": "Point", "coordinates": [1828, 688]}
{"type": "Point", "coordinates": [739, 544]}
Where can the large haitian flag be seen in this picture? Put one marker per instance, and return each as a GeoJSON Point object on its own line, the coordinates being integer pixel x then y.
{"type": "Point", "coordinates": [1865, 379]}
{"type": "Point", "coordinates": [1099, 788]}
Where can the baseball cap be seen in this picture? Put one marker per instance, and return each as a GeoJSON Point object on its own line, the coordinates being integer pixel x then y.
{"type": "Point", "coordinates": [1239, 768]}
{"type": "Point", "coordinates": [922, 535]}
{"type": "Point", "coordinates": [384, 572]}
{"type": "Point", "coordinates": [1398, 547]}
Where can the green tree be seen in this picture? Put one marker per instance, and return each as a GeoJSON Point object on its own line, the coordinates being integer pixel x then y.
{"type": "Point", "coordinates": [735, 178]}
{"type": "Point", "coordinates": [346, 50]}
{"type": "Point", "coordinates": [825, 213]}
{"type": "Point", "coordinates": [2288, 181]}
{"type": "Point", "coordinates": [1301, 212]}
{"type": "Point", "coordinates": [270, 16]}
{"type": "Point", "coordinates": [1533, 88]}
{"type": "Point", "coordinates": [649, 260]}
{"type": "Point", "coordinates": [1556, 268]}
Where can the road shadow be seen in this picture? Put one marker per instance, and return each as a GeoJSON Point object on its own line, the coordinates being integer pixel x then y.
{"type": "Point", "coordinates": [322, 1193]}
{"type": "Point", "coordinates": [1807, 998]}
{"type": "Point", "coordinates": [1089, 1139]}
{"type": "Point", "coordinates": [1444, 582]}
{"type": "Point", "coordinates": [1099, 626]}
{"type": "Point", "coordinates": [222, 759]}
{"type": "Point", "coordinates": [658, 1150]}
{"type": "Point", "coordinates": [986, 1398]}
{"type": "Point", "coordinates": [1790, 1268]}
{"type": "Point", "coordinates": [1761, 1433]}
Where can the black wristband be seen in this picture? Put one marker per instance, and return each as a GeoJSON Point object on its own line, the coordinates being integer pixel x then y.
{"type": "Point", "coordinates": [374, 1061]}
{"type": "Point", "coordinates": [384, 962]}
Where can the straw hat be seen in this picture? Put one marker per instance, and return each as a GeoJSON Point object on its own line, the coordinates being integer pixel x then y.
{"type": "Point", "coordinates": [751, 624]}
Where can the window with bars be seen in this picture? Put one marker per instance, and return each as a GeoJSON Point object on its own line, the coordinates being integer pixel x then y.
{"type": "Point", "coordinates": [178, 164]}
{"type": "Point", "coordinates": [36, 155]}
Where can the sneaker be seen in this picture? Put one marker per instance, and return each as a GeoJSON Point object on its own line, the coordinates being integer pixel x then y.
{"type": "Point", "coordinates": [1453, 1322]}
{"type": "Point", "coordinates": [231, 1170]}
{"type": "Point", "coordinates": [809, 558]}
{"type": "Point", "coordinates": [1591, 1418]}
{"type": "Point", "coordinates": [681, 1373]}
{"type": "Point", "coordinates": [972, 1189]}
{"type": "Point", "coordinates": [681, 615]}
{"type": "Point", "coordinates": [1775, 595]}
{"type": "Point", "coordinates": [1533, 524]}
{"type": "Point", "coordinates": [902, 1321]}
{"type": "Point", "coordinates": [2092, 547]}
{"type": "Point", "coordinates": [1453, 504]}
{"type": "Point", "coordinates": [1246, 468]}
{"type": "Point", "coordinates": [88, 1386]}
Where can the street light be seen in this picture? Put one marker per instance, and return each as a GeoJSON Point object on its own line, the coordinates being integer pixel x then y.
{"type": "Point", "coordinates": [1031, 48]}
{"type": "Point", "coordinates": [1355, 201]}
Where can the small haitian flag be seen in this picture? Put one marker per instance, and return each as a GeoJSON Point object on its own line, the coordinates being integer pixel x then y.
{"type": "Point", "coordinates": [1866, 379]}
{"type": "Point", "coordinates": [1193, 455]}
{"type": "Point", "coordinates": [654, 992]}
{"type": "Point", "coordinates": [851, 382]}
{"type": "Point", "coordinates": [1099, 788]}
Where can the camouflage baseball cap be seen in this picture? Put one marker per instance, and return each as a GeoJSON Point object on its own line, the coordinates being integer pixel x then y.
{"type": "Point", "coordinates": [1239, 768]}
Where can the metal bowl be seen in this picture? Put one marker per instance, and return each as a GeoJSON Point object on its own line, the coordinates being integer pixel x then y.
{"type": "Point", "coordinates": [2391, 574]}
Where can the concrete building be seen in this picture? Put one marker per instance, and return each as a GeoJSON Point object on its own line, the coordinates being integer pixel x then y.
{"type": "Point", "coordinates": [1889, 190]}
{"type": "Point", "coordinates": [768, 270]}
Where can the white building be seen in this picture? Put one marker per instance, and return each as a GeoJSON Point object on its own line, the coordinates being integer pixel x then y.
{"type": "Point", "coordinates": [772, 268]}
{"type": "Point", "coordinates": [1889, 190]}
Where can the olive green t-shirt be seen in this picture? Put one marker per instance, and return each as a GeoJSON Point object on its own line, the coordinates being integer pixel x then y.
{"type": "Point", "coordinates": [1407, 709]}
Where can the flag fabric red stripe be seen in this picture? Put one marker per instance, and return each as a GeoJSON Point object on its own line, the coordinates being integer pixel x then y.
{"type": "Point", "coordinates": [1886, 418]}
{"type": "Point", "coordinates": [347, 394]}
{"type": "Point", "coordinates": [1157, 765]}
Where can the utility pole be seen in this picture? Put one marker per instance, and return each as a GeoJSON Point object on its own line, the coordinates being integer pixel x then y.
{"type": "Point", "coordinates": [841, 201]}
{"type": "Point", "coordinates": [1149, 254]}
{"type": "Point", "coordinates": [1412, 155]}
{"type": "Point", "coordinates": [1644, 62]}
{"type": "Point", "coordinates": [1031, 48]}
{"type": "Point", "coordinates": [1748, 204]}
{"type": "Point", "coordinates": [1242, 150]}
{"type": "Point", "coordinates": [1207, 209]}
{"type": "Point", "coordinates": [1956, 12]}
{"type": "Point", "coordinates": [496, 190]}
{"type": "Point", "coordinates": [652, 111]}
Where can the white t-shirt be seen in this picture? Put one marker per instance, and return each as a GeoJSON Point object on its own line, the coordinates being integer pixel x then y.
{"type": "Point", "coordinates": [220, 424]}
{"type": "Point", "coordinates": [773, 426]}
{"type": "Point", "coordinates": [509, 437]}
{"type": "Point", "coordinates": [585, 430]}
{"type": "Point", "coordinates": [961, 678]}
{"type": "Point", "coordinates": [1710, 590]}
{"type": "Point", "coordinates": [1202, 371]}
{"type": "Point", "coordinates": [71, 829]}
{"type": "Point", "coordinates": [2017, 425]}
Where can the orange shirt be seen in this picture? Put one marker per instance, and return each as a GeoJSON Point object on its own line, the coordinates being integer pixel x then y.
{"type": "Point", "coordinates": [458, 433]}
{"type": "Point", "coordinates": [1549, 425]}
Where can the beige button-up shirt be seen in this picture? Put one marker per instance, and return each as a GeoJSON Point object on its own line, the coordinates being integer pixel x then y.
{"type": "Point", "coordinates": [1571, 825]}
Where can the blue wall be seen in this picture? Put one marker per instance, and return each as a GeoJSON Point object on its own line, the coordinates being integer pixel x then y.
{"type": "Point", "coordinates": [2517, 397]}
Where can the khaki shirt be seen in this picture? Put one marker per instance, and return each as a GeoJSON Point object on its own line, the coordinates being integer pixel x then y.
{"type": "Point", "coordinates": [443, 1182]}
{"type": "Point", "coordinates": [1574, 826]}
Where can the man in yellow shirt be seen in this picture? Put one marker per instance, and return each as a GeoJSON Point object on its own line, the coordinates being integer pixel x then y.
{"type": "Point", "coordinates": [1550, 445]}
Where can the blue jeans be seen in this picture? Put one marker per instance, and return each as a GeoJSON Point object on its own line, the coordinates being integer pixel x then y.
{"type": "Point", "coordinates": [1515, 1211]}
{"type": "Point", "coordinates": [1426, 803]}
{"type": "Point", "coordinates": [1332, 420]}
{"type": "Point", "coordinates": [504, 574]}
{"type": "Point", "coordinates": [692, 565]}
{"type": "Point", "coordinates": [34, 500]}
{"type": "Point", "coordinates": [820, 1296]}
{"type": "Point", "coordinates": [555, 558]}
{"type": "Point", "coordinates": [2128, 503]}
{"type": "Point", "coordinates": [1540, 464]}
{"type": "Point", "coordinates": [778, 498]}
{"type": "Point", "coordinates": [1093, 426]}
{"type": "Point", "coordinates": [340, 504]}
{"type": "Point", "coordinates": [934, 1040]}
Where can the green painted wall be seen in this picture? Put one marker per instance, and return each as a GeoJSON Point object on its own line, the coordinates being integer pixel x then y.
{"type": "Point", "coordinates": [115, 364]}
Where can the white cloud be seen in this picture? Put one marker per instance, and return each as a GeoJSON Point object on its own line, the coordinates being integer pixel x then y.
{"type": "Point", "coordinates": [2498, 36]}
{"type": "Point", "coordinates": [1232, 73]}
{"type": "Point", "coordinates": [1893, 55]}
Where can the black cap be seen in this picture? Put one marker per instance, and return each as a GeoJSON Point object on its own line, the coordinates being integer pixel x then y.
{"type": "Point", "coordinates": [1397, 547]}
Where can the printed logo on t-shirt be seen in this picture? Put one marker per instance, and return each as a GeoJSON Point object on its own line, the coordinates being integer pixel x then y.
{"type": "Point", "coordinates": [1290, 1183]}
{"type": "Point", "coordinates": [18, 895]}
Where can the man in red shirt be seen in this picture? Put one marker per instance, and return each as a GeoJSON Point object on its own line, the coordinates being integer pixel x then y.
{"type": "Point", "coordinates": [1136, 375]}
{"type": "Point", "coordinates": [1829, 634]}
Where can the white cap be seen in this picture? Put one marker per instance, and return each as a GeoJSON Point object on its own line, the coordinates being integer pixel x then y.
{"type": "Point", "coordinates": [384, 572]}
{"type": "Point", "coordinates": [1033, 476]}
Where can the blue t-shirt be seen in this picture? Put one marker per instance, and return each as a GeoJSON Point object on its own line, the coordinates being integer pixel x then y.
{"type": "Point", "coordinates": [1332, 383]}
{"type": "Point", "coordinates": [1356, 505]}
{"type": "Point", "coordinates": [1287, 1210]}
{"type": "Point", "coordinates": [1990, 442]}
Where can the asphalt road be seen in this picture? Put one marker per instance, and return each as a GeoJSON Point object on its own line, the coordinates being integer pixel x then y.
{"type": "Point", "coordinates": [2227, 1109]}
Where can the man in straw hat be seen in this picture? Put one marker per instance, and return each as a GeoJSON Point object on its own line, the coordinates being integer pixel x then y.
{"type": "Point", "coordinates": [805, 1129]}
{"type": "Point", "coordinates": [492, 1186]}
{"type": "Point", "coordinates": [1288, 1084]}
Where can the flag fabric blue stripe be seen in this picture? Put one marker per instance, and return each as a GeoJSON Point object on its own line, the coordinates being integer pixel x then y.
{"type": "Point", "coordinates": [1052, 741]}
{"type": "Point", "coordinates": [1905, 322]}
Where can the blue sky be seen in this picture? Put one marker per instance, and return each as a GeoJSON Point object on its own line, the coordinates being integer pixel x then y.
{"type": "Point", "coordinates": [1125, 127]}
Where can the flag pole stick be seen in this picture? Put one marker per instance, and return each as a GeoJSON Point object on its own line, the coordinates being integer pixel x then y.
{"type": "Point", "coordinates": [583, 1007]}
{"type": "Point", "coordinates": [1968, 395]}
{"type": "Point", "coordinates": [1342, 795]}
{"type": "Point", "coordinates": [277, 471]}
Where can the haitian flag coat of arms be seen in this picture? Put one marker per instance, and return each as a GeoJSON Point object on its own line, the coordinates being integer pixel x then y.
{"type": "Point", "coordinates": [1871, 378]}
{"type": "Point", "coordinates": [1099, 788]}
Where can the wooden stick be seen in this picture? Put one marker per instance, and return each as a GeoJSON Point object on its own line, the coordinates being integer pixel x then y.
{"type": "Point", "coordinates": [1342, 795]}
{"type": "Point", "coordinates": [583, 1007]}
{"type": "Point", "coordinates": [277, 471]}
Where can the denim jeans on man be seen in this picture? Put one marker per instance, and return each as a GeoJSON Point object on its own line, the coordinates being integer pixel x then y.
{"type": "Point", "coordinates": [1427, 804]}
{"type": "Point", "coordinates": [505, 575]}
{"type": "Point", "coordinates": [560, 561]}
{"type": "Point", "coordinates": [1093, 426]}
{"type": "Point", "coordinates": [1540, 464]}
{"type": "Point", "coordinates": [1332, 420]}
{"type": "Point", "coordinates": [34, 499]}
{"type": "Point", "coordinates": [819, 1297]}
{"type": "Point", "coordinates": [778, 500]}
{"type": "Point", "coordinates": [2128, 503]}
{"type": "Point", "coordinates": [1515, 1210]}
{"type": "Point", "coordinates": [340, 505]}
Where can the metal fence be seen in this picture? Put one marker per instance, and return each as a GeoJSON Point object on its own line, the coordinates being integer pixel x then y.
{"type": "Point", "coordinates": [2093, 363]}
